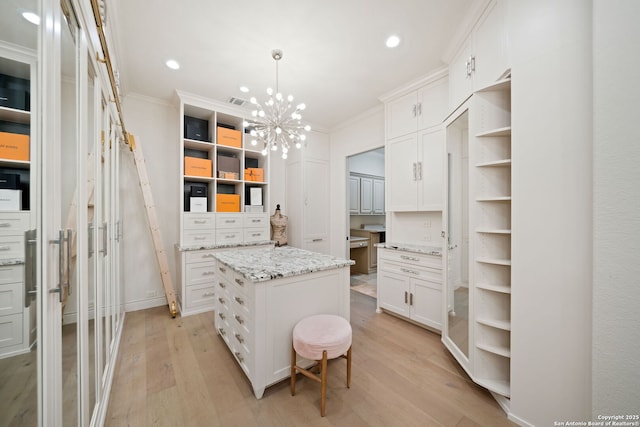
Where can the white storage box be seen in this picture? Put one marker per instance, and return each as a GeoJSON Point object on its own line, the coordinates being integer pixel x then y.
{"type": "Point", "coordinates": [198, 204]}
{"type": "Point", "coordinates": [10, 200]}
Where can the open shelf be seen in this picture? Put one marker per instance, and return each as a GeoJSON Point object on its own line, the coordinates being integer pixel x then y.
{"type": "Point", "coordinates": [494, 288]}
{"type": "Point", "coordinates": [15, 115]}
{"type": "Point", "coordinates": [498, 86]}
{"type": "Point", "coordinates": [503, 131]}
{"type": "Point", "coordinates": [495, 163]}
{"type": "Point", "coordinates": [500, 351]}
{"type": "Point", "coordinates": [495, 261]}
{"type": "Point", "coordinates": [500, 324]}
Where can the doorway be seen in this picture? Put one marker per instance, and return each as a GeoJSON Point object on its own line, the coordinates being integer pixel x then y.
{"type": "Point", "coordinates": [366, 217]}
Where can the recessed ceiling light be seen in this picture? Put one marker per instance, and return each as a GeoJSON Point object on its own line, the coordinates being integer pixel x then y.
{"type": "Point", "coordinates": [393, 41]}
{"type": "Point", "coordinates": [31, 17]}
{"type": "Point", "coordinates": [244, 89]}
{"type": "Point", "coordinates": [173, 64]}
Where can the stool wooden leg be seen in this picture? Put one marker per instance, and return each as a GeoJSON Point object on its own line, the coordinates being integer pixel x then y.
{"type": "Point", "coordinates": [293, 371]}
{"type": "Point", "coordinates": [323, 384]}
{"type": "Point", "coordinates": [349, 368]}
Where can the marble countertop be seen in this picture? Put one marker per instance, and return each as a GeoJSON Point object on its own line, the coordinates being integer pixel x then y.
{"type": "Point", "coordinates": [259, 265]}
{"type": "Point", "coordinates": [410, 247]}
{"type": "Point", "coordinates": [223, 245]}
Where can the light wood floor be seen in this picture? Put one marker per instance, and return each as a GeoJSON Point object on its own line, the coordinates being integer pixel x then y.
{"type": "Point", "coordinates": [178, 372]}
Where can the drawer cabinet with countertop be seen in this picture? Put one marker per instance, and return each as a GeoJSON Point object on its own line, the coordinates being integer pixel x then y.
{"type": "Point", "coordinates": [410, 283]}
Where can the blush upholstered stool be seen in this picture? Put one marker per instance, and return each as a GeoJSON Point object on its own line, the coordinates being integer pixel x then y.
{"type": "Point", "coordinates": [320, 338]}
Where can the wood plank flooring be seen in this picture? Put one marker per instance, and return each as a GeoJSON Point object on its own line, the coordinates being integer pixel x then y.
{"type": "Point", "coordinates": [178, 371]}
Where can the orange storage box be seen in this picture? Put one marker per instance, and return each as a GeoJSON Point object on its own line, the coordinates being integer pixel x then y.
{"type": "Point", "coordinates": [194, 166]}
{"type": "Point", "coordinates": [229, 137]}
{"type": "Point", "coordinates": [227, 203]}
{"type": "Point", "coordinates": [14, 146]}
{"type": "Point", "coordinates": [254, 174]}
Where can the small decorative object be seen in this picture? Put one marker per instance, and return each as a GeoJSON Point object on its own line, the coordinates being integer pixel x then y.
{"type": "Point", "coordinates": [279, 227]}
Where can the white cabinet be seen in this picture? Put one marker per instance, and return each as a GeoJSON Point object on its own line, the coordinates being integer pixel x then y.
{"type": "Point", "coordinates": [354, 195]}
{"type": "Point", "coordinates": [366, 195]}
{"type": "Point", "coordinates": [216, 159]}
{"type": "Point", "coordinates": [307, 194]}
{"type": "Point", "coordinates": [378, 196]}
{"type": "Point", "coordinates": [482, 57]}
{"type": "Point", "coordinates": [416, 110]}
{"type": "Point", "coordinates": [410, 285]}
{"type": "Point", "coordinates": [415, 167]}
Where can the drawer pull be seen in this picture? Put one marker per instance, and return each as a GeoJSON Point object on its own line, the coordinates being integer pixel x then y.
{"type": "Point", "coordinates": [406, 270]}
{"type": "Point", "coordinates": [222, 331]}
{"type": "Point", "coordinates": [208, 273]}
{"type": "Point", "coordinates": [222, 269]}
{"type": "Point", "coordinates": [208, 294]}
{"type": "Point", "coordinates": [411, 298]}
{"type": "Point", "coordinates": [409, 258]}
{"type": "Point", "coordinates": [221, 300]}
{"type": "Point", "coordinates": [5, 248]}
{"type": "Point", "coordinates": [239, 319]}
{"type": "Point", "coordinates": [229, 236]}
{"type": "Point", "coordinates": [222, 316]}
{"type": "Point", "coordinates": [5, 224]}
{"type": "Point", "coordinates": [239, 300]}
{"type": "Point", "coordinates": [240, 282]}
{"type": "Point", "coordinates": [229, 221]}
{"type": "Point", "coordinates": [199, 221]}
{"type": "Point", "coordinates": [256, 220]}
{"type": "Point", "coordinates": [405, 297]}
{"type": "Point", "coordinates": [199, 238]}
{"type": "Point", "coordinates": [207, 256]}
{"type": "Point", "coordinates": [239, 338]}
{"type": "Point", "coordinates": [239, 357]}
{"type": "Point", "coordinates": [256, 234]}
{"type": "Point", "coordinates": [222, 285]}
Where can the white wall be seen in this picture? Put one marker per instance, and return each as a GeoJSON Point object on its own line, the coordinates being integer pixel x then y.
{"type": "Point", "coordinates": [551, 210]}
{"type": "Point", "coordinates": [360, 134]}
{"type": "Point", "coordinates": [155, 127]}
{"type": "Point", "coordinates": [616, 208]}
{"type": "Point", "coordinates": [369, 163]}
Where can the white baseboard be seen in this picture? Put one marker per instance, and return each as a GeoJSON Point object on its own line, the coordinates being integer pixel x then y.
{"type": "Point", "coordinates": [145, 303]}
{"type": "Point", "coordinates": [519, 420]}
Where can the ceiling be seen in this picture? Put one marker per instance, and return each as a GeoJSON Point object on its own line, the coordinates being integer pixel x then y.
{"type": "Point", "coordinates": [335, 58]}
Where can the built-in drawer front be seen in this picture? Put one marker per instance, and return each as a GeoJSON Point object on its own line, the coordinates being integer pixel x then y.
{"type": "Point", "coordinates": [228, 221]}
{"type": "Point", "coordinates": [198, 237]}
{"type": "Point", "coordinates": [411, 258]}
{"type": "Point", "coordinates": [225, 273]}
{"type": "Point", "coordinates": [222, 312]}
{"type": "Point", "coordinates": [240, 284]}
{"type": "Point", "coordinates": [200, 273]}
{"type": "Point", "coordinates": [228, 237]}
{"type": "Point", "coordinates": [200, 256]}
{"type": "Point", "coordinates": [256, 220]}
{"type": "Point", "coordinates": [201, 295]}
{"type": "Point", "coordinates": [14, 223]}
{"type": "Point", "coordinates": [256, 235]}
{"type": "Point", "coordinates": [11, 298]}
{"type": "Point", "coordinates": [12, 246]}
{"type": "Point", "coordinates": [242, 305]}
{"type": "Point", "coordinates": [199, 221]}
{"type": "Point", "coordinates": [243, 323]}
{"type": "Point", "coordinates": [10, 330]}
{"type": "Point", "coordinates": [11, 273]}
{"type": "Point", "coordinates": [243, 352]}
{"type": "Point", "coordinates": [410, 270]}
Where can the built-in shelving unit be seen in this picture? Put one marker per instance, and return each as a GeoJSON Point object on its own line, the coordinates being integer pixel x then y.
{"type": "Point", "coordinates": [490, 214]}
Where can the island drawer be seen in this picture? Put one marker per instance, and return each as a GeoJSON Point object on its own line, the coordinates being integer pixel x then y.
{"type": "Point", "coordinates": [417, 271]}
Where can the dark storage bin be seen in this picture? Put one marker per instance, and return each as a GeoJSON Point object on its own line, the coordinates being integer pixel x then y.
{"type": "Point", "coordinates": [197, 129]}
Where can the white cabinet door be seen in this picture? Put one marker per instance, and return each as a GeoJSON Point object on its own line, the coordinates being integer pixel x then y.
{"type": "Point", "coordinates": [431, 147]}
{"type": "Point", "coordinates": [400, 173]}
{"type": "Point", "coordinates": [316, 199]}
{"type": "Point", "coordinates": [432, 104]}
{"type": "Point", "coordinates": [378, 196]}
{"type": "Point", "coordinates": [366, 195]}
{"type": "Point", "coordinates": [426, 303]}
{"type": "Point", "coordinates": [401, 115]}
{"type": "Point", "coordinates": [354, 195]}
{"type": "Point", "coordinates": [393, 292]}
{"type": "Point", "coordinates": [460, 83]}
{"type": "Point", "coordinates": [490, 47]}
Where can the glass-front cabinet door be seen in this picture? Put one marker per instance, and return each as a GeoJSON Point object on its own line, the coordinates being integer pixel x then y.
{"type": "Point", "coordinates": [20, 298]}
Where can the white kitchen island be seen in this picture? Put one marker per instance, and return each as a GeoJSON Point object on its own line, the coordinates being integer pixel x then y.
{"type": "Point", "coordinates": [262, 293]}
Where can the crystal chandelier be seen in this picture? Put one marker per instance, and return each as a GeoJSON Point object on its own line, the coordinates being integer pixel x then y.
{"type": "Point", "coordinates": [278, 123]}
